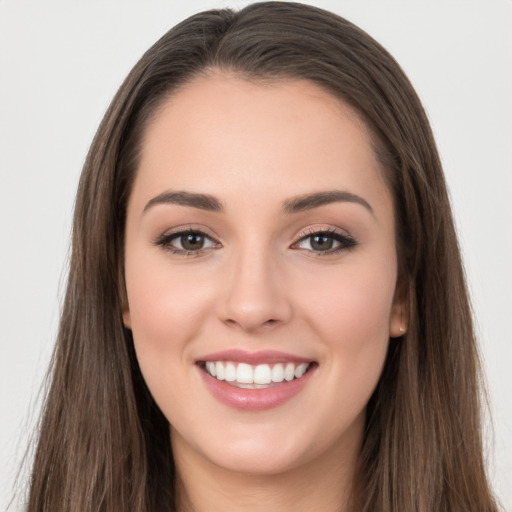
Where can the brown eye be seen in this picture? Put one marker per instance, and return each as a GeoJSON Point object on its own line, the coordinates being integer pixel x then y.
{"type": "Point", "coordinates": [192, 241]}
{"type": "Point", "coordinates": [321, 242]}
{"type": "Point", "coordinates": [325, 242]}
{"type": "Point", "coordinates": [186, 243]}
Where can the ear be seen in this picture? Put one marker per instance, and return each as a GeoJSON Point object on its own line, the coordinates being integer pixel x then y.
{"type": "Point", "coordinates": [125, 307]}
{"type": "Point", "coordinates": [127, 319]}
{"type": "Point", "coordinates": [399, 316]}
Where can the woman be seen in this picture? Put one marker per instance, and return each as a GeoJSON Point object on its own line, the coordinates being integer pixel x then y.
{"type": "Point", "coordinates": [266, 305]}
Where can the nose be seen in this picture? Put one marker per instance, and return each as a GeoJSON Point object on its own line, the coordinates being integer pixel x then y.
{"type": "Point", "coordinates": [255, 296]}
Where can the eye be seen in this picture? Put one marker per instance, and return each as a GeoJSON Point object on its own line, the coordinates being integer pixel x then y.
{"type": "Point", "coordinates": [188, 242]}
{"type": "Point", "coordinates": [326, 242]}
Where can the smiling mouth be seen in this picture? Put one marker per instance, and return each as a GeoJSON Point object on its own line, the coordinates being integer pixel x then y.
{"type": "Point", "coordinates": [261, 376]}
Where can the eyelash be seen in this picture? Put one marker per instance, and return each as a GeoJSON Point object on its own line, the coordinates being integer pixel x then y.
{"type": "Point", "coordinates": [346, 242]}
{"type": "Point", "coordinates": [165, 241]}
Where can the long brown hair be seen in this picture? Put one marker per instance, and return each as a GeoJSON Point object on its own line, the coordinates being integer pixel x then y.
{"type": "Point", "coordinates": [104, 444]}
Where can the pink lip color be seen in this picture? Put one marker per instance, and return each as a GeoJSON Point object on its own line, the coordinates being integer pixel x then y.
{"type": "Point", "coordinates": [255, 399]}
{"type": "Point", "coordinates": [254, 358]}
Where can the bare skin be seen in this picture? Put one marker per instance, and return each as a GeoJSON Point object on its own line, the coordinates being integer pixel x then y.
{"type": "Point", "coordinates": [203, 487]}
{"type": "Point", "coordinates": [259, 221]}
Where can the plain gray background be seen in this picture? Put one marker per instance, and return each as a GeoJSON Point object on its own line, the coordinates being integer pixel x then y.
{"type": "Point", "coordinates": [62, 61]}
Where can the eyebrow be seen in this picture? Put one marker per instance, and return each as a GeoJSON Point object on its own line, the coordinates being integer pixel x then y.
{"type": "Point", "coordinates": [182, 198]}
{"type": "Point", "coordinates": [292, 205]}
{"type": "Point", "coordinates": [316, 199]}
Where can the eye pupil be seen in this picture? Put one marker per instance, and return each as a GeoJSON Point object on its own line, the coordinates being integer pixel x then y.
{"type": "Point", "coordinates": [192, 241]}
{"type": "Point", "coordinates": [321, 242]}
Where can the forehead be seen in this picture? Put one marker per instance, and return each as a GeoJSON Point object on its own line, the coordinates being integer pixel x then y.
{"type": "Point", "coordinates": [228, 136]}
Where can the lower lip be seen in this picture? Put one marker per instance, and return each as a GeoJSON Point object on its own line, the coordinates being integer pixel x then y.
{"type": "Point", "coordinates": [255, 399]}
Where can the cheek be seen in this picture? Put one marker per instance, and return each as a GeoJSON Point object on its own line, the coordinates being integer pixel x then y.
{"type": "Point", "coordinates": [166, 306]}
{"type": "Point", "coordinates": [350, 312]}
{"type": "Point", "coordinates": [167, 309]}
{"type": "Point", "coordinates": [351, 319]}
{"type": "Point", "coordinates": [354, 302]}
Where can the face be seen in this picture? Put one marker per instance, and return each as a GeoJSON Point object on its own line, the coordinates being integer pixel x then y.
{"type": "Point", "coordinates": [261, 269]}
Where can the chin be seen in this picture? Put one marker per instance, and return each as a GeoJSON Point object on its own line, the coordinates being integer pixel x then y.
{"type": "Point", "coordinates": [258, 461]}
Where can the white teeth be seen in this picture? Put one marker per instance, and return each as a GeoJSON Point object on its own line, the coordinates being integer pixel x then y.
{"type": "Point", "coordinates": [261, 375]}
{"type": "Point", "coordinates": [278, 373]}
{"type": "Point", "coordinates": [230, 374]}
{"type": "Point", "coordinates": [244, 374]}
{"type": "Point", "coordinates": [300, 370]}
{"type": "Point", "coordinates": [210, 367]}
{"type": "Point", "coordinates": [289, 371]}
{"type": "Point", "coordinates": [219, 369]}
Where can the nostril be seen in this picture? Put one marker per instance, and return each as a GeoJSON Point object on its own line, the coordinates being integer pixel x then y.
{"type": "Point", "coordinates": [252, 324]}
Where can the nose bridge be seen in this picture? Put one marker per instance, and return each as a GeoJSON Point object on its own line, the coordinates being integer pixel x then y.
{"type": "Point", "coordinates": [256, 292]}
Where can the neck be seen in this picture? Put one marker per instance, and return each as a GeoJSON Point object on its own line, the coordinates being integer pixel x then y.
{"type": "Point", "coordinates": [324, 483]}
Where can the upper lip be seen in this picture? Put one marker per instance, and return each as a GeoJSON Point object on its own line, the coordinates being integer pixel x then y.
{"type": "Point", "coordinates": [260, 357]}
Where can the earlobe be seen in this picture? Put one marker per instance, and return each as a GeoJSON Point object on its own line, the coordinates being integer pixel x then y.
{"type": "Point", "coordinates": [398, 320]}
{"type": "Point", "coordinates": [127, 321]}
{"type": "Point", "coordinates": [399, 317]}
